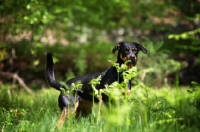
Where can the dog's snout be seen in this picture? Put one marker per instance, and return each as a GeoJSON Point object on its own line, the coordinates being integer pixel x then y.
{"type": "Point", "coordinates": [132, 56]}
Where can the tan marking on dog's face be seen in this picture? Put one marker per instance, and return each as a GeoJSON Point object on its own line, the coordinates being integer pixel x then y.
{"type": "Point", "coordinates": [130, 65]}
{"type": "Point", "coordinates": [123, 58]}
{"type": "Point", "coordinates": [118, 45]}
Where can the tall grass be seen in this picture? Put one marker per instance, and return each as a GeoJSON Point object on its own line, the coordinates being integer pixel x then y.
{"type": "Point", "coordinates": [145, 109]}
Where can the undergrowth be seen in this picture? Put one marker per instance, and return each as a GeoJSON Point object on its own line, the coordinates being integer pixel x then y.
{"type": "Point", "coordinates": [145, 109]}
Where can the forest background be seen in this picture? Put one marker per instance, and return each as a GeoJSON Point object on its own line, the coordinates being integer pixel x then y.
{"type": "Point", "coordinates": [81, 35]}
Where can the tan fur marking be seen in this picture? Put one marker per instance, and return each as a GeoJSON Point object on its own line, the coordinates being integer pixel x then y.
{"type": "Point", "coordinates": [123, 58]}
{"type": "Point", "coordinates": [63, 117]}
{"type": "Point", "coordinates": [130, 66]}
{"type": "Point", "coordinates": [75, 107]}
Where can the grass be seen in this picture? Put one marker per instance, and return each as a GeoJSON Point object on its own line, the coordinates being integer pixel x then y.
{"type": "Point", "coordinates": [145, 110]}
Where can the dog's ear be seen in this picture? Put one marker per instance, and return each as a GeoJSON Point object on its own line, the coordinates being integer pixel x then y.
{"type": "Point", "coordinates": [140, 47]}
{"type": "Point", "coordinates": [117, 47]}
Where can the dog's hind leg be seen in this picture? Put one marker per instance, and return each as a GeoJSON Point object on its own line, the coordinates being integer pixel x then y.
{"type": "Point", "coordinates": [68, 106]}
{"type": "Point", "coordinates": [62, 119]}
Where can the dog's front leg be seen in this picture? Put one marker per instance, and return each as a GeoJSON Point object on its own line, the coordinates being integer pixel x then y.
{"type": "Point", "coordinates": [129, 87]}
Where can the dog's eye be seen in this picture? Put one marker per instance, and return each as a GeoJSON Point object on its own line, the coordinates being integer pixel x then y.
{"type": "Point", "coordinates": [127, 49]}
{"type": "Point", "coordinates": [133, 49]}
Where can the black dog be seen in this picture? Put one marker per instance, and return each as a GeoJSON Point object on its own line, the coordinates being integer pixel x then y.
{"type": "Point", "coordinates": [82, 102]}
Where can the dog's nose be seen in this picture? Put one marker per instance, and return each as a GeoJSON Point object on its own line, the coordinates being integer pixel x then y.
{"type": "Point", "coordinates": [132, 57]}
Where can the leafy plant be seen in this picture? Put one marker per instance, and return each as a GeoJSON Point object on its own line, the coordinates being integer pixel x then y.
{"type": "Point", "coordinates": [155, 67]}
{"type": "Point", "coordinates": [143, 110]}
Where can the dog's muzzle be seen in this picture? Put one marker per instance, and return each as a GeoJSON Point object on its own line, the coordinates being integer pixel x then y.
{"type": "Point", "coordinates": [132, 59]}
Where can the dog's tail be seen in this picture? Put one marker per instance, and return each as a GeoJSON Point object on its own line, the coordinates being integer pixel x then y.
{"type": "Point", "coordinates": [50, 73]}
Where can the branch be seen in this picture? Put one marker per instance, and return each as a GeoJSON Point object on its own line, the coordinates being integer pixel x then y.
{"type": "Point", "coordinates": [19, 79]}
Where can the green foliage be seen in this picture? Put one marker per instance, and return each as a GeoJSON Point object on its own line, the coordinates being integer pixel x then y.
{"type": "Point", "coordinates": [192, 36]}
{"type": "Point", "coordinates": [188, 39]}
{"type": "Point", "coordinates": [185, 35]}
{"type": "Point", "coordinates": [80, 62]}
{"type": "Point", "coordinates": [157, 64]}
{"type": "Point", "coordinates": [92, 21]}
{"type": "Point", "coordinates": [187, 7]}
{"type": "Point", "coordinates": [3, 52]}
{"type": "Point", "coordinates": [71, 19]}
{"type": "Point", "coordinates": [143, 110]}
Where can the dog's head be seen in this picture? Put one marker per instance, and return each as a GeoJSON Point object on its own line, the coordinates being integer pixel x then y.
{"type": "Point", "coordinates": [128, 52]}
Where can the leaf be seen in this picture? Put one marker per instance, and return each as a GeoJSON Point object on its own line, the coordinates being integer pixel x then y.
{"type": "Point", "coordinates": [95, 81]}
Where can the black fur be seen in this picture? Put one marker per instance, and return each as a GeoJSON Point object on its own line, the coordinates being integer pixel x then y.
{"type": "Point", "coordinates": [126, 51]}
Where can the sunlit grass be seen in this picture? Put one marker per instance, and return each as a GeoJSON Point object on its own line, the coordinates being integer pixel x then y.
{"type": "Point", "coordinates": [147, 109]}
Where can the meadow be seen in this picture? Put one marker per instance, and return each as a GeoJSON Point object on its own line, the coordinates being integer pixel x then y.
{"type": "Point", "coordinates": [153, 104]}
{"type": "Point", "coordinates": [146, 109]}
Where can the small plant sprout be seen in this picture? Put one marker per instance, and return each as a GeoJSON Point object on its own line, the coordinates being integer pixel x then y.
{"type": "Point", "coordinates": [74, 86]}
{"type": "Point", "coordinates": [94, 82]}
{"type": "Point", "coordinates": [97, 93]}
